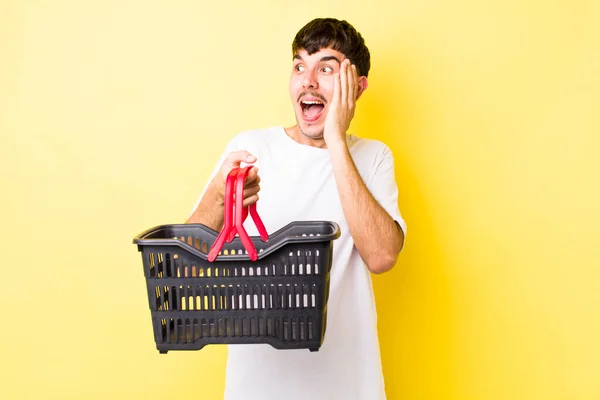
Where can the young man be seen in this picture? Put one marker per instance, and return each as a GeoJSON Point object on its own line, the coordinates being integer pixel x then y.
{"type": "Point", "coordinates": [316, 170]}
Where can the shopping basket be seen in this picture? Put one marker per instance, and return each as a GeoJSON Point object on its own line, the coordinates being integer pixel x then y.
{"type": "Point", "coordinates": [206, 287]}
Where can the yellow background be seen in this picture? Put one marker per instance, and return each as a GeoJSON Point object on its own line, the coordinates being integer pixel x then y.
{"type": "Point", "coordinates": [113, 113]}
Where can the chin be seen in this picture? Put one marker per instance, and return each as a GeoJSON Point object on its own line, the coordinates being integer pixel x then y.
{"type": "Point", "coordinates": [311, 131]}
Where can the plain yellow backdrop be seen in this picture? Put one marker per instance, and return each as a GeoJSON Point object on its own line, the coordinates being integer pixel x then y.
{"type": "Point", "coordinates": [113, 113]}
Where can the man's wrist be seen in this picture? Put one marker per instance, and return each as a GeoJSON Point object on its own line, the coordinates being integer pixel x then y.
{"type": "Point", "coordinates": [217, 194]}
{"type": "Point", "coordinates": [338, 145]}
{"type": "Point", "coordinates": [336, 140]}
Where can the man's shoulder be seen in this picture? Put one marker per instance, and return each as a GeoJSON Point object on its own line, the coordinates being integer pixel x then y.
{"type": "Point", "coordinates": [252, 135]}
{"type": "Point", "coordinates": [369, 146]}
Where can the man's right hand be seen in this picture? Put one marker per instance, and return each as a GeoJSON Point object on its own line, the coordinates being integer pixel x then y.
{"type": "Point", "coordinates": [210, 210]}
{"type": "Point", "coordinates": [252, 186]}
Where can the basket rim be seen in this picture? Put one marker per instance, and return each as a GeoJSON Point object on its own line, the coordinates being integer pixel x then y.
{"type": "Point", "coordinates": [277, 239]}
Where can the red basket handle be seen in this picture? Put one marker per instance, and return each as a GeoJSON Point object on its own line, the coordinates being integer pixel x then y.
{"type": "Point", "coordinates": [241, 212]}
{"type": "Point", "coordinates": [233, 222]}
{"type": "Point", "coordinates": [227, 216]}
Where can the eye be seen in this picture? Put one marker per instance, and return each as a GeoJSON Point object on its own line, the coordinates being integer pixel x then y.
{"type": "Point", "coordinates": [326, 69]}
{"type": "Point", "coordinates": [299, 68]}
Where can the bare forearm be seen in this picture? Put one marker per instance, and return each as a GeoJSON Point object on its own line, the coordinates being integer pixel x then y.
{"type": "Point", "coordinates": [210, 210]}
{"type": "Point", "coordinates": [377, 237]}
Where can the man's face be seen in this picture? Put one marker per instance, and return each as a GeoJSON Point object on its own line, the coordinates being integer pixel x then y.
{"type": "Point", "coordinates": [311, 88]}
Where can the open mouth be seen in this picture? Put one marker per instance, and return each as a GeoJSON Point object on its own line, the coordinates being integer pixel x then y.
{"type": "Point", "coordinates": [312, 109]}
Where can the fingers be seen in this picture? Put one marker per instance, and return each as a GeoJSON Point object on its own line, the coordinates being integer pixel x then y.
{"type": "Point", "coordinates": [252, 177]}
{"type": "Point", "coordinates": [348, 79]}
{"type": "Point", "coordinates": [251, 187]}
{"type": "Point", "coordinates": [353, 84]}
{"type": "Point", "coordinates": [251, 191]}
{"type": "Point", "coordinates": [337, 88]}
{"type": "Point", "coordinates": [235, 158]}
{"type": "Point", "coordinates": [250, 200]}
{"type": "Point", "coordinates": [344, 82]}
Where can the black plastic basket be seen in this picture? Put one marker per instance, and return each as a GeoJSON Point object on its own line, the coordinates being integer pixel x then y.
{"type": "Point", "coordinates": [279, 299]}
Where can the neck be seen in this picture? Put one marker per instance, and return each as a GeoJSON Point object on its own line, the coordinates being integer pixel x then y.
{"type": "Point", "coordinates": [297, 135]}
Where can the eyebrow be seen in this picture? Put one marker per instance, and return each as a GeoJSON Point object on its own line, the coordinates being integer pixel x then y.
{"type": "Point", "coordinates": [329, 58]}
{"type": "Point", "coordinates": [324, 58]}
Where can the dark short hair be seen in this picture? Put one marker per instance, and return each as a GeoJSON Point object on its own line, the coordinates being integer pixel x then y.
{"type": "Point", "coordinates": [339, 35]}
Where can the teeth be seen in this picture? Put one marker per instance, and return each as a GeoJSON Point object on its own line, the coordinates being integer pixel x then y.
{"type": "Point", "coordinates": [311, 102]}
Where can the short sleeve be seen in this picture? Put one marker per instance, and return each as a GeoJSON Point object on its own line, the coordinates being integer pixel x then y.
{"type": "Point", "coordinates": [384, 188]}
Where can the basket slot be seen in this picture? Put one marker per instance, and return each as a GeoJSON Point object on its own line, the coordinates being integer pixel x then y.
{"type": "Point", "coordinates": [220, 298]}
{"type": "Point", "coordinates": [241, 331]}
{"type": "Point", "coordinates": [235, 327]}
{"type": "Point", "coordinates": [314, 296]}
{"type": "Point", "coordinates": [157, 304]}
{"type": "Point", "coordinates": [223, 298]}
{"type": "Point", "coordinates": [185, 300]}
{"type": "Point", "coordinates": [163, 265]}
{"type": "Point", "coordinates": [281, 297]}
{"type": "Point", "coordinates": [299, 299]}
{"type": "Point", "coordinates": [161, 303]}
{"type": "Point", "coordinates": [239, 291]}
{"type": "Point", "coordinates": [182, 331]}
{"type": "Point", "coordinates": [269, 327]}
{"type": "Point", "coordinates": [188, 332]}
{"type": "Point", "coordinates": [176, 303]}
{"type": "Point", "coordinates": [249, 298]}
{"type": "Point", "coordinates": [208, 302]}
{"type": "Point", "coordinates": [261, 298]}
{"type": "Point", "coordinates": [222, 327]}
{"type": "Point", "coordinates": [150, 264]}
{"type": "Point", "coordinates": [293, 263]}
{"type": "Point", "coordinates": [159, 265]}
{"type": "Point", "coordinates": [266, 300]}
{"type": "Point", "coordinates": [292, 300]}
{"type": "Point", "coordinates": [157, 259]}
{"type": "Point", "coordinates": [287, 270]}
{"type": "Point", "coordinates": [163, 296]}
{"type": "Point", "coordinates": [246, 303]}
{"type": "Point", "coordinates": [310, 262]}
{"type": "Point", "coordinates": [257, 299]}
{"type": "Point", "coordinates": [245, 327]}
{"type": "Point", "coordinates": [168, 325]}
{"type": "Point", "coordinates": [296, 329]}
{"type": "Point", "coordinates": [253, 327]}
{"type": "Point", "coordinates": [286, 329]}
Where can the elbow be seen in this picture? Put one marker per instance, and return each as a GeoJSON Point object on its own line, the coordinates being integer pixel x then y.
{"type": "Point", "coordinates": [384, 261]}
{"type": "Point", "coordinates": [382, 264]}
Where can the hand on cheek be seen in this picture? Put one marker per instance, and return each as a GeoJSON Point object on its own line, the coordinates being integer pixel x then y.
{"type": "Point", "coordinates": [341, 107]}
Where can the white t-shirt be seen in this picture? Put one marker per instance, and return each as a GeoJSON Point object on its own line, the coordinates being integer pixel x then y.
{"type": "Point", "coordinates": [297, 184]}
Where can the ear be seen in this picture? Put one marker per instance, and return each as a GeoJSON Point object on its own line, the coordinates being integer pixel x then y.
{"type": "Point", "coordinates": [362, 86]}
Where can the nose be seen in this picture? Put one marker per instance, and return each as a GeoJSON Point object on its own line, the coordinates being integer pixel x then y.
{"type": "Point", "coordinates": [309, 80]}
